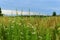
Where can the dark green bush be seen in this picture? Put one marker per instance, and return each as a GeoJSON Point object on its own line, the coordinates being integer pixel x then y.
{"type": "Point", "coordinates": [54, 13]}
{"type": "Point", "coordinates": [1, 12]}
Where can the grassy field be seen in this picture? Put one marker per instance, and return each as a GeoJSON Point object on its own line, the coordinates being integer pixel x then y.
{"type": "Point", "coordinates": [30, 28]}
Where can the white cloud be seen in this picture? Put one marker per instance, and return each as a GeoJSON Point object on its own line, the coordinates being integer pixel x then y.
{"type": "Point", "coordinates": [13, 12]}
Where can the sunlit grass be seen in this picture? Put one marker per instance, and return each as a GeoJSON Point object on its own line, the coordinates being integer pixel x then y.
{"type": "Point", "coordinates": [29, 28]}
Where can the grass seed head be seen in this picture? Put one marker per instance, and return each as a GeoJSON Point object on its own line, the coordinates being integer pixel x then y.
{"type": "Point", "coordinates": [33, 32]}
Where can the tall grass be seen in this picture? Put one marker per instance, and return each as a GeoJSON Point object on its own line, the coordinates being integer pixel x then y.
{"type": "Point", "coordinates": [29, 28]}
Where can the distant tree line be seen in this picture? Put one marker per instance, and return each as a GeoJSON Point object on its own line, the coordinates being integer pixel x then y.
{"type": "Point", "coordinates": [54, 13]}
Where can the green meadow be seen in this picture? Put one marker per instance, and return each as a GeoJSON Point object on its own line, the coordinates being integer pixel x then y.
{"type": "Point", "coordinates": [30, 28]}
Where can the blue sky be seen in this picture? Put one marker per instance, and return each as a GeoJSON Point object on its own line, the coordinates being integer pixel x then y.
{"type": "Point", "coordinates": [44, 6]}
